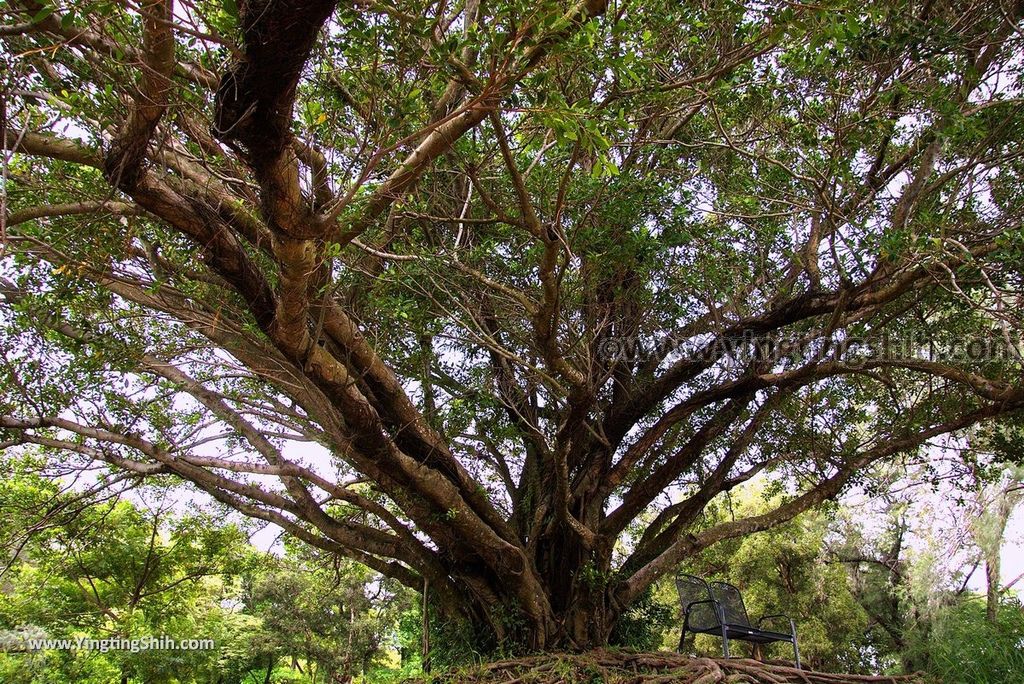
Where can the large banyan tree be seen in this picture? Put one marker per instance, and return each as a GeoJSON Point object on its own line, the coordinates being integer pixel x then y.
{"type": "Point", "coordinates": [497, 297]}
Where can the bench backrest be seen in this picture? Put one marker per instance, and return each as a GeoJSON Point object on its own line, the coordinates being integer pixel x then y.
{"type": "Point", "coordinates": [693, 589]}
{"type": "Point", "coordinates": [732, 603]}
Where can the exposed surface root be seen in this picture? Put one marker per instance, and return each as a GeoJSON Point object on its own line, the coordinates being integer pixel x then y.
{"type": "Point", "coordinates": [619, 667]}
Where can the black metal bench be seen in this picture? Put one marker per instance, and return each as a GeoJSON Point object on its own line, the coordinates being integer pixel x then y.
{"type": "Point", "coordinates": [717, 608]}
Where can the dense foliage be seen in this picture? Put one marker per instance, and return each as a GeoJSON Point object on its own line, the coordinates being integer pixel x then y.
{"type": "Point", "coordinates": [500, 299]}
{"type": "Point", "coordinates": [118, 571]}
{"type": "Point", "coordinates": [965, 648]}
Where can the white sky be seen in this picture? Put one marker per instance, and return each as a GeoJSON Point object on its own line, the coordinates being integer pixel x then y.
{"type": "Point", "coordinates": [1013, 551]}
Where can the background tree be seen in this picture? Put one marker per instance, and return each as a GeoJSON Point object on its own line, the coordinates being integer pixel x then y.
{"type": "Point", "coordinates": [998, 493]}
{"type": "Point", "coordinates": [878, 570]}
{"type": "Point", "coordinates": [333, 614]}
{"type": "Point", "coordinates": [116, 571]}
{"type": "Point", "coordinates": [526, 273]}
{"type": "Point", "coordinates": [874, 589]}
{"type": "Point", "coordinates": [915, 559]}
{"type": "Point", "coordinates": [101, 570]}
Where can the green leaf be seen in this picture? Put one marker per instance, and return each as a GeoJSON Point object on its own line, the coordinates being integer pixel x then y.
{"type": "Point", "coordinates": [42, 14]}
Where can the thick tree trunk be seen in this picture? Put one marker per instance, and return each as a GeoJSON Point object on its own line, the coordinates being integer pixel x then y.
{"type": "Point", "coordinates": [571, 580]}
{"type": "Point", "coordinates": [576, 585]}
{"type": "Point", "coordinates": [992, 573]}
{"type": "Point", "coordinates": [272, 661]}
{"type": "Point", "coordinates": [584, 623]}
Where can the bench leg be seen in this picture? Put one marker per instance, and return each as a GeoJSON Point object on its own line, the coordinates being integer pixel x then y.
{"type": "Point", "coordinates": [796, 649]}
{"type": "Point", "coordinates": [725, 642]}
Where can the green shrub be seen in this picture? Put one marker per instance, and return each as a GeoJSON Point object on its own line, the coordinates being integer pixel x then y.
{"type": "Point", "coordinates": [965, 648]}
{"type": "Point", "coordinates": [643, 625]}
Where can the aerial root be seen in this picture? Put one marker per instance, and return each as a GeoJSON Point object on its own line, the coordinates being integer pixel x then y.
{"type": "Point", "coordinates": [621, 667]}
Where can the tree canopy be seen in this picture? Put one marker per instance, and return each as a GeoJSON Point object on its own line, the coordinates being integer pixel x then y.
{"type": "Point", "coordinates": [497, 298]}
